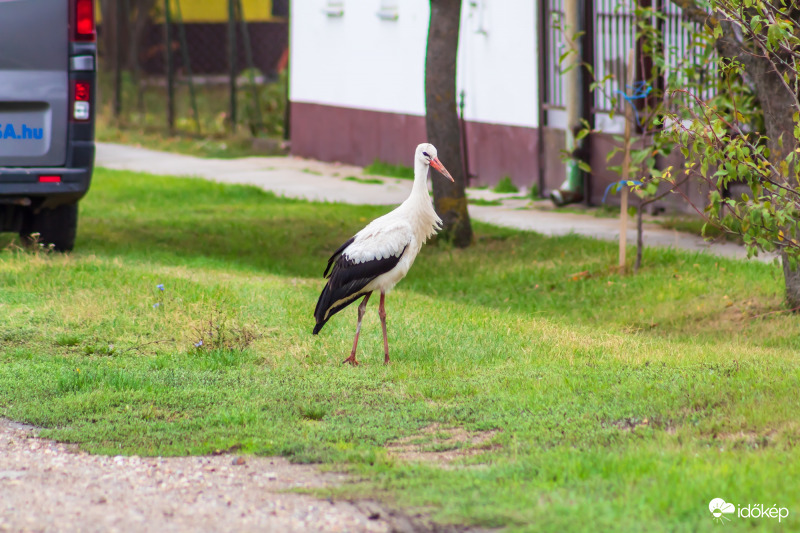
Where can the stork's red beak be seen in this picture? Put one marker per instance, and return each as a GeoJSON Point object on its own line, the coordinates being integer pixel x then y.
{"type": "Point", "coordinates": [435, 163]}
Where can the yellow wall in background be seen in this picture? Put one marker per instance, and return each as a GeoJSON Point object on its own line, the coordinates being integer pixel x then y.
{"type": "Point", "coordinates": [210, 10]}
{"type": "Point", "coordinates": [217, 10]}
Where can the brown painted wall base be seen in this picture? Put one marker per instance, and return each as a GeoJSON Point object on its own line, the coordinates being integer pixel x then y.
{"type": "Point", "coordinates": [495, 151]}
{"type": "Point", "coordinates": [358, 137]}
{"type": "Point", "coordinates": [354, 136]}
{"type": "Point", "coordinates": [554, 170]}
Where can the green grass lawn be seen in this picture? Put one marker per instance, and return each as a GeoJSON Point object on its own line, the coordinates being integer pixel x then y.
{"type": "Point", "coordinates": [621, 403]}
{"type": "Point", "coordinates": [483, 201]}
{"type": "Point", "coordinates": [382, 168]}
{"type": "Point", "coordinates": [216, 146]}
{"type": "Point", "coordinates": [366, 181]}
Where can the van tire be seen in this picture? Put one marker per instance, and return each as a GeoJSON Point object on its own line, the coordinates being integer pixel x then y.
{"type": "Point", "coordinates": [57, 226]}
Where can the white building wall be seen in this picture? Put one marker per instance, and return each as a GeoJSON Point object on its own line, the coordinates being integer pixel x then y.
{"type": "Point", "coordinates": [497, 61]}
{"type": "Point", "coordinates": [359, 60]}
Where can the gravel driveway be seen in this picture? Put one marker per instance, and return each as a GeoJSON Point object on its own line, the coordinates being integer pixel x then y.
{"type": "Point", "coordinates": [49, 486]}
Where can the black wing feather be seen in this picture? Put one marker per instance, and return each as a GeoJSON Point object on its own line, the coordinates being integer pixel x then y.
{"type": "Point", "coordinates": [336, 255]}
{"type": "Point", "coordinates": [346, 282]}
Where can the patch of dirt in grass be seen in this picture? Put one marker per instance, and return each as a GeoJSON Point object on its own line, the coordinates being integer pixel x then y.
{"type": "Point", "coordinates": [728, 315]}
{"type": "Point", "coordinates": [746, 439]}
{"type": "Point", "coordinates": [441, 446]}
{"type": "Point", "coordinates": [736, 312]}
{"type": "Point", "coordinates": [631, 423]}
{"type": "Point", "coordinates": [772, 319]}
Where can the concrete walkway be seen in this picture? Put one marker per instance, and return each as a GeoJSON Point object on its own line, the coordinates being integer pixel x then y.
{"type": "Point", "coordinates": [318, 181]}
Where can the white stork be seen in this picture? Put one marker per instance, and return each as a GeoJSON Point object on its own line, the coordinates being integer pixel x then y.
{"type": "Point", "coordinates": [380, 254]}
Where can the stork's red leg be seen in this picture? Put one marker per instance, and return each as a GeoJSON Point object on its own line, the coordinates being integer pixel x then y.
{"type": "Point", "coordinates": [361, 310]}
{"type": "Point", "coordinates": [382, 314]}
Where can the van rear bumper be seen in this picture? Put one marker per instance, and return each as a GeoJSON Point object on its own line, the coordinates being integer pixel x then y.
{"type": "Point", "coordinates": [18, 183]}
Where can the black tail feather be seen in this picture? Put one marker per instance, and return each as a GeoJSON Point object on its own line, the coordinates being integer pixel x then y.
{"type": "Point", "coordinates": [324, 311]}
{"type": "Point", "coordinates": [347, 282]}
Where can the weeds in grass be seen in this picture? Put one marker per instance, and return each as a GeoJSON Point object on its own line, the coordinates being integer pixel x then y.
{"type": "Point", "coordinates": [13, 247]}
{"type": "Point", "coordinates": [102, 349]}
{"type": "Point", "coordinates": [34, 244]}
{"type": "Point", "coordinates": [67, 339]}
{"type": "Point", "coordinates": [268, 119]}
{"type": "Point", "coordinates": [313, 412]}
{"type": "Point", "coordinates": [505, 185]}
{"type": "Point", "coordinates": [141, 345]}
{"type": "Point", "coordinates": [218, 333]}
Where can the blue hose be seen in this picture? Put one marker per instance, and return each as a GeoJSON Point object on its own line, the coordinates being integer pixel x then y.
{"type": "Point", "coordinates": [619, 184]}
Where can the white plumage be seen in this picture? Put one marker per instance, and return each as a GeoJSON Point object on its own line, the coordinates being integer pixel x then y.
{"type": "Point", "coordinates": [381, 254]}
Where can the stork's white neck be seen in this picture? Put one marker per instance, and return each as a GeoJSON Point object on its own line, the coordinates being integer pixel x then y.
{"type": "Point", "coordinates": [418, 208]}
{"type": "Point", "coordinates": [420, 188]}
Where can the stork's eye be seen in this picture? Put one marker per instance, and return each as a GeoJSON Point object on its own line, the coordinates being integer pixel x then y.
{"type": "Point", "coordinates": [425, 154]}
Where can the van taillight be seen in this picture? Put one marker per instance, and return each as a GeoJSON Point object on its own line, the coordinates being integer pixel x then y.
{"type": "Point", "coordinates": [83, 17]}
{"type": "Point", "coordinates": [82, 91]}
{"type": "Point", "coordinates": [81, 94]}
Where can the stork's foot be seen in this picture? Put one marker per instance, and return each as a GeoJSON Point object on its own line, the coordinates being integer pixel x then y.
{"type": "Point", "coordinates": [351, 360]}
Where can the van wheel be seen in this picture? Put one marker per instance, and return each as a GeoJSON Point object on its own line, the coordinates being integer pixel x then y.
{"type": "Point", "coordinates": [57, 226]}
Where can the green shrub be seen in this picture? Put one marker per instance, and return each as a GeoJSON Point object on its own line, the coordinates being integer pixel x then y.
{"type": "Point", "coordinates": [505, 185]}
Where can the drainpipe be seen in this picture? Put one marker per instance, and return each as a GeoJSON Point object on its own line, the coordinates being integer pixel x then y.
{"type": "Point", "coordinates": [540, 113]}
{"type": "Point", "coordinates": [571, 191]}
{"type": "Point", "coordinates": [464, 145]}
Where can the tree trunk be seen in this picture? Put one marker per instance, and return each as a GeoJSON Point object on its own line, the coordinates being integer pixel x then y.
{"type": "Point", "coordinates": [136, 15]}
{"type": "Point", "coordinates": [109, 40]}
{"type": "Point", "coordinates": [441, 119]}
{"type": "Point", "coordinates": [792, 279]}
{"type": "Point", "coordinates": [142, 9]}
{"type": "Point", "coordinates": [777, 104]}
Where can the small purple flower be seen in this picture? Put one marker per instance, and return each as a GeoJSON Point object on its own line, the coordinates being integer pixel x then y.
{"type": "Point", "coordinates": [160, 287]}
{"type": "Point", "coordinates": [198, 344]}
{"type": "Point", "coordinates": [156, 305]}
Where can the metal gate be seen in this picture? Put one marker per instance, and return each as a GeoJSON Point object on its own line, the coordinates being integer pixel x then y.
{"type": "Point", "coordinates": [610, 28]}
{"type": "Point", "coordinates": [610, 32]}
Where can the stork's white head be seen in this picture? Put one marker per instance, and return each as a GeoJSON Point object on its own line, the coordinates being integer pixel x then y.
{"type": "Point", "coordinates": [426, 153]}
